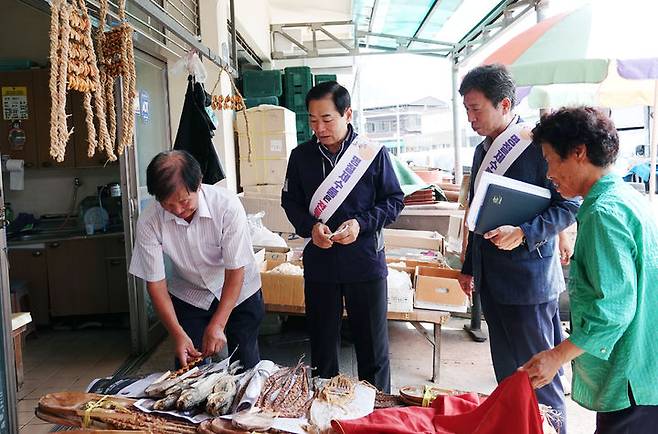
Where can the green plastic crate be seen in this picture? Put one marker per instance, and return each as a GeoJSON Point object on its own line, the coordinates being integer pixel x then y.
{"type": "Point", "coordinates": [297, 81]}
{"type": "Point", "coordinates": [321, 78]}
{"type": "Point", "coordinates": [304, 131]}
{"type": "Point", "coordinates": [258, 84]}
{"type": "Point", "coordinates": [255, 102]}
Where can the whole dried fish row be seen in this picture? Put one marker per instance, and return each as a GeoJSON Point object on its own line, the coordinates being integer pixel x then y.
{"type": "Point", "coordinates": [286, 392]}
{"type": "Point", "coordinates": [145, 422]}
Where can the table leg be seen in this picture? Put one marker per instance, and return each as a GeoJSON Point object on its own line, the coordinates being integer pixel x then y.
{"type": "Point", "coordinates": [474, 328]}
{"type": "Point", "coordinates": [18, 353]}
{"type": "Point", "coordinates": [436, 358]}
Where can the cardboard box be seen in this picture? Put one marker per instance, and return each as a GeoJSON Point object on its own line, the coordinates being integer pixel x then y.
{"type": "Point", "coordinates": [267, 119]}
{"type": "Point", "coordinates": [275, 218]}
{"type": "Point", "coordinates": [272, 130]}
{"type": "Point", "coordinates": [414, 239]}
{"type": "Point", "coordinates": [267, 145]}
{"type": "Point", "coordinates": [411, 266]}
{"type": "Point", "coordinates": [262, 171]}
{"type": "Point", "coordinates": [281, 289]}
{"type": "Point", "coordinates": [282, 255]}
{"type": "Point", "coordinates": [438, 289]}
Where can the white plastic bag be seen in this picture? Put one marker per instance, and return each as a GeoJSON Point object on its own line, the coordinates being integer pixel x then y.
{"type": "Point", "coordinates": [260, 235]}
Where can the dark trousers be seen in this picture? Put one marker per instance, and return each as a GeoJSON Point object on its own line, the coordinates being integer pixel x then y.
{"type": "Point", "coordinates": [518, 332]}
{"type": "Point", "coordinates": [635, 419]}
{"type": "Point", "coordinates": [241, 329]}
{"type": "Point", "coordinates": [366, 304]}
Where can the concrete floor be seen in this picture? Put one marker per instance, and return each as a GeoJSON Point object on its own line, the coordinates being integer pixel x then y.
{"type": "Point", "coordinates": [465, 365]}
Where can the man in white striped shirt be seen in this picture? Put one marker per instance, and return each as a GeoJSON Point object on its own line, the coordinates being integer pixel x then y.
{"type": "Point", "coordinates": [211, 295]}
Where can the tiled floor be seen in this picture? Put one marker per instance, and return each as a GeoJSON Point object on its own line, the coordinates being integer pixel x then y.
{"type": "Point", "coordinates": [66, 360]}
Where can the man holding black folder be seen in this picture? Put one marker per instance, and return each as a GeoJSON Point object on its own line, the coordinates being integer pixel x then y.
{"type": "Point", "coordinates": [514, 268]}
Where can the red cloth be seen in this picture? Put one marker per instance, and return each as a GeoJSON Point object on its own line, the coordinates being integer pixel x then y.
{"type": "Point", "coordinates": [511, 409]}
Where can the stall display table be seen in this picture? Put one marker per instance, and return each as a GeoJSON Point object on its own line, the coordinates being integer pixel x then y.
{"type": "Point", "coordinates": [415, 318]}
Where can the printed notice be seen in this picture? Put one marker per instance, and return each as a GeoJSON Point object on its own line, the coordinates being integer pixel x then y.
{"type": "Point", "coordinates": [14, 103]}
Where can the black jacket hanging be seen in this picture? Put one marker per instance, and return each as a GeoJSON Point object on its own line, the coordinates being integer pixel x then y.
{"type": "Point", "coordinates": [196, 130]}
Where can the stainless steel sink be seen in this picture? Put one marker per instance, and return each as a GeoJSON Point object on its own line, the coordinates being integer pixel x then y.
{"type": "Point", "coordinates": [45, 235]}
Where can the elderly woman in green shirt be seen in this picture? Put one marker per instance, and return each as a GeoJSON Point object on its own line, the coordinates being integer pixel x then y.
{"type": "Point", "coordinates": [614, 278]}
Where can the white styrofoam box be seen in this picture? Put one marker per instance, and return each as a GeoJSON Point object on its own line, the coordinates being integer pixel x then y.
{"type": "Point", "coordinates": [270, 191]}
{"type": "Point", "coordinates": [260, 171]}
{"type": "Point", "coordinates": [275, 218]}
{"type": "Point", "coordinates": [272, 129]}
{"type": "Point", "coordinates": [266, 145]}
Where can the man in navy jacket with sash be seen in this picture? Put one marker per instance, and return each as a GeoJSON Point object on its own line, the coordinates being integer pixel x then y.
{"type": "Point", "coordinates": [515, 269]}
{"type": "Point", "coordinates": [340, 191]}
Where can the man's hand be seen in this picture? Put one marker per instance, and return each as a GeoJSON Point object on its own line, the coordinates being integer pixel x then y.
{"type": "Point", "coordinates": [506, 237]}
{"type": "Point", "coordinates": [320, 235]}
{"type": "Point", "coordinates": [542, 368]}
{"type": "Point", "coordinates": [214, 340]}
{"type": "Point", "coordinates": [185, 351]}
{"type": "Point", "coordinates": [466, 283]}
{"type": "Point", "coordinates": [349, 235]}
{"type": "Point", "coordinates": [565, 248]}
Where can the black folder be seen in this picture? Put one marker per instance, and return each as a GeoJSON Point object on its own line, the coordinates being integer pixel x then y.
{"type": "Point", "coordinates": [508, 206]}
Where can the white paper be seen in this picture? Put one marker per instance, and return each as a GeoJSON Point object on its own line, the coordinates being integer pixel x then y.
{"type": "Point", "coordinates": [16, 174]}
{"type": "Point", "coordinates": [284, 424]}
{"type": "Point", "coordinates": [137, 389]}
{"type": "Point", "coordinates": [262, 372]}
{"type": "Point", "coordinates": [322, 412]}
{"type": "Point", "coordinates": [491, 179]}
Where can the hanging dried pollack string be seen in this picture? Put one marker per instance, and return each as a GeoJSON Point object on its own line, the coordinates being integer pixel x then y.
{"type": "Point", "coordinates": [73, 67]}
{"type": "Point", "coordinates": [117, 59]}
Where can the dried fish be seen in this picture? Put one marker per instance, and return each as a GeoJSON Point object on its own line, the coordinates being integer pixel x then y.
{"type": "Point", "coordinates": [168, 402]}
{"type": "Point", "coordinates": [198, 391]}
{"type": "Point", "coordinates": [220, 400]}
{"type": "Point", "coordinates": [156, 389]}
{"type": "Point", "coordinates": [253, 421]}
{"type": "Point", "coordinates": [287, 392]}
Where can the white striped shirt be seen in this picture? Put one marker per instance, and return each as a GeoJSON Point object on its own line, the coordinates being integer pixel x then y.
{"type": "Point", "coordinates": [199, 252]}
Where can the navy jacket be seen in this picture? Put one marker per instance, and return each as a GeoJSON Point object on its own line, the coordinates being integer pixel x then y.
{"type": "Point", "coordinates": [531, 273]}
{"type": "Point", "coordinates": [375, 202]}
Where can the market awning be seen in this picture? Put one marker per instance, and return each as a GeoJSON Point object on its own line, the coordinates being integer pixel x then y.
{"type": "Point", "coordinates": [445, 28]}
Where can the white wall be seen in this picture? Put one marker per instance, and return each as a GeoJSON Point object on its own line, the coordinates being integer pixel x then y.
{"type": "Point", "coordinates": [253, 22]}
{"type": "Point", "coordinates": [296, 11]}
{"type": "Point", "coordinates": [51, 191]}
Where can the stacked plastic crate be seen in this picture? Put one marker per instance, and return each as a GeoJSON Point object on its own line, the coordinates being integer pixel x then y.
{"type": "Point", "coordinates": [321, 78]}
{"type": "Point", "coordinates": [297, 81]}
{"type": "Point", "coordinates": [261, 87]}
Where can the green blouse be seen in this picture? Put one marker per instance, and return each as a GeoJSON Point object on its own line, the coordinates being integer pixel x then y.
{"type": "Point", "coordinates": [614, 298]}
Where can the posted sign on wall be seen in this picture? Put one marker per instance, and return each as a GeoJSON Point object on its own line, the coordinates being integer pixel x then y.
{"type": "Point", "coordinates": [14, 103]}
